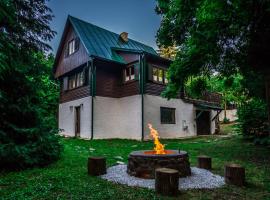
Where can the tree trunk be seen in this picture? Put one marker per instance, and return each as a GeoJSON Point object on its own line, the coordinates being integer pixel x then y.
{"type": "Point", "coordinates": [166, 181]}
{"type": "Point", "coordinates": [235, 174]}
{"type": "Point", "coordinates": [96, 166]}
{"type": "Point", "coordinates": [205, 162]}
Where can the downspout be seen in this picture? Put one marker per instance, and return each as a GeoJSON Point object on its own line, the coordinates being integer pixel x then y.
{"type": "Point", "coordinates": [141, 61]}
{"type": "Point", "coordinates": [92, 79]}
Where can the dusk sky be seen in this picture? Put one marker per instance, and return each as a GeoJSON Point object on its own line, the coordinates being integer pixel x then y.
{"type": "Point", "coordinates": [137, 17]}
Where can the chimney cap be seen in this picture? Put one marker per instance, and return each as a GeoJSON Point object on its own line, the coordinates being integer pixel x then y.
{"type": "Point", "coordinates": [124, 36]}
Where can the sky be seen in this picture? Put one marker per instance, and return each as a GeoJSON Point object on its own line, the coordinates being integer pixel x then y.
{"type": "Point", "coordinates": [137, 17]}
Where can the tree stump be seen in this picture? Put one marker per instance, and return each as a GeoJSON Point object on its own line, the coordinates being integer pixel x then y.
{"type": "Point", "coordinates": [205, 162]}
{"type": "Point", "coordinates": [166, 181]}
{"type": "Point", "coordinates": [235, 174]}
{"type": "Point", "coordinates": [96, 166]}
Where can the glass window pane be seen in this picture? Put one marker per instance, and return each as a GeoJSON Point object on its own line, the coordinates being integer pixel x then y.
{"type": "Point", "coordinates": [71, 47]}
{"type": "Point", "coordinates": [165, 76]}
{"type": "Point", "coordinates": [127, 74]}
{"type": "Point", "coordinates": [167, 115]}
{"type": "Point", "coordinates": [160, 75]}
{"type": "Point", "coordinates": [155, 74]}
{"type": "Point", "coordinates": [132, 73]}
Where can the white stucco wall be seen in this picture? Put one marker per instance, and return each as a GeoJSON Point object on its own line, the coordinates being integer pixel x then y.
{"type": "Point", "coordinates": [67, 117]}
{"type": "Point", "coordinates": [231, 115]}
{"type": "Point", "coordinates": [213, 124]}
{"type": "Point", "coordinates": [117, 117]}
{"type": "Point", "coordinates": [121, 117]}
{"type": "Point", "coordinates": [183, 111]}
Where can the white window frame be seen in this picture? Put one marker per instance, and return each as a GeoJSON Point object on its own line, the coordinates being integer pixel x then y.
{"type": "Point", "coordinates": [156, 78]}
{"type": "Point", "coordinates": [127, 73]}
{"type": "Point", "coordinates": [71, 47]}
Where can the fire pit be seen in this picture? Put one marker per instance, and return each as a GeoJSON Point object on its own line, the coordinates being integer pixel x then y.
{"type": "Point", "coordinates": [143, 163]}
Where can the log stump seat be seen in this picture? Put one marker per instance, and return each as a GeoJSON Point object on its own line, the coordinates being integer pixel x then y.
{"type": "Point", "coordinates": [204, 162]}
{"type": "Point", "coordinates": [96, 166]}
{"type": "Point", "coordinates": [235, 174]}
{"type": "Point", "coordinates": [166, 181]}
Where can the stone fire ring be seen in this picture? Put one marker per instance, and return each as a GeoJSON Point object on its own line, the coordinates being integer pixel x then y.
{"type": "Point", "coordinates": [199, 179]}
{"type": "Point", "coordinates": [143, 163]}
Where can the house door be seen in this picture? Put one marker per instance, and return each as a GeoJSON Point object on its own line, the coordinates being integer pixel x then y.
{"type": "Point", "coordinates": [77, 121]}
{"type": "Point", "coordinates": [203, 122]}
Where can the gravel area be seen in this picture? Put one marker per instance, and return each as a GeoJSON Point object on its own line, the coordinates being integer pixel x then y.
{"type": "Point", "coordinates": [199, 179]}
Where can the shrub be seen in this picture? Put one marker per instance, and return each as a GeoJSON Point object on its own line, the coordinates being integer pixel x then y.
{"type": "Point", "coordinates": [29, 148]}
{"type": "Point", "coordinates": [252, 118]}
{"type": "Point", "coordinates": [226, 120]}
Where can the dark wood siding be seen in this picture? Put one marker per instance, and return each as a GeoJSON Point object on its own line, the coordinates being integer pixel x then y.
{"type": "Point", "coordinates": [150, 86]}
{"type": "Point", "coordinates": [154, 88]}
{"type": "Point", "coordinates": [129, 57]}
{"type": "Point", "coordinates": [74, 94]}
{"type": "Point", "coordinates": [109, 82]}
{"type": "Point", "coordinates": [67, 64]}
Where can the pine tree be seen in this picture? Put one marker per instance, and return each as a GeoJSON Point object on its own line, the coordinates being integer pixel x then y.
{"type": "Point", "coordinates": [27, 138]}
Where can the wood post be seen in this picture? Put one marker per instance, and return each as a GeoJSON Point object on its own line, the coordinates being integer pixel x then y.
{"type": "Point", "coordinates": [205, 162]}
{"type": "Point", "coordinates": [235, 174]}
{"type": "Point", "coordinates": [166, 181]}
{"type": "Point", "coordinates": [96, 166]}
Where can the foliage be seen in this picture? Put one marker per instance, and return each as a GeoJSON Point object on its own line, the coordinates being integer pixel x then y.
{"type": "Point", "coordinates": [226, 120]}
{"type": "Point", "coordinates": [27, 92]}
{"type": "Point", "coordinates": [168, 52]}
{"type": "Point", "coordinates": [223, 36]}
{"type": "Point", "coordinates": [195, 86]}
{"type": "Point", "coordinates": [252, 117]}
{"type": "Point", "coordinates": [231, 88]}
{"type": "Point", "coordinates": [68, 179]}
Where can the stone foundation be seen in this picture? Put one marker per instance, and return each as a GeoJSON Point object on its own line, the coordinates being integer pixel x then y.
{"type": "Point", "coordinates": [143, 163]}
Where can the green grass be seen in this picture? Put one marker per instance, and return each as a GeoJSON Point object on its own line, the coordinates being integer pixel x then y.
{"type": "Point", "coordinates": [68, 179]}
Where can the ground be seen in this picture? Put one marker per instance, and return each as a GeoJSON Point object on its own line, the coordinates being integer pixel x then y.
{"type": "Point", "coordinates": [68, 179]}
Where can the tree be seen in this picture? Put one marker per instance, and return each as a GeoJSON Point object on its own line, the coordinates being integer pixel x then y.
{"type": "Point", "coordinates": [168, 52]}
{"type": "Point", "coordinates": [223, 36]}
{"type": "Point", "coordinates": [27, 136]}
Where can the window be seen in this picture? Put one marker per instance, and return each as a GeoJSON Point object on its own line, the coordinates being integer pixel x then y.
{"type": "Point", "coordinates": [76, 80]}
{"type": "Point", "coordinates": [129, 73]}
{"type": "Point", "coordinates": [72, 82]}
{"type": "Point", "coordinates": [159, 75]}
{"type": "Point", "coordinates": [167, 115]}
{"type": "Point", "coordinates": [71, 47]}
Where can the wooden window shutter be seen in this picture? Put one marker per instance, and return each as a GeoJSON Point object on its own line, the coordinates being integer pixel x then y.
{"type": "Point", "coordinates": [77, 43]}
{"type": "Point", "coordinates": [65, 83]}
{"type": "Point", "coordinates": [150, 72]}
{"type": "Point", "coordinates": [137, 70]}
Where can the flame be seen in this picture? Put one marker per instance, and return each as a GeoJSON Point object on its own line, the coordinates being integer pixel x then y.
{"type": "Point", "coordinates": [159, 148]}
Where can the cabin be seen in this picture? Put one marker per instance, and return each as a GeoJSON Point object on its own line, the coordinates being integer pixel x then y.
{"type": "Point", "coordinates": [111, 87]}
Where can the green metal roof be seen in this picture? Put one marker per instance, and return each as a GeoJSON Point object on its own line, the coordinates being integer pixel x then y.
{"type": "Point", "coordinates": [101, 42]}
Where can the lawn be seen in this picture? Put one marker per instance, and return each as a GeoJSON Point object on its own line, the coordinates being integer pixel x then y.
{"type": "Point", "coordinates": [68, 179]}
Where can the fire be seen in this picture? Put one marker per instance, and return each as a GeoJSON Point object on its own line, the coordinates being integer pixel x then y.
{"type": "Point", "coordinates": [159, 148]}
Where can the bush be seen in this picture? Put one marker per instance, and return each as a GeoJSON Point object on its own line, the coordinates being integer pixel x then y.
{"type": "Point", "coordinates": [226, 120]}
{"type": "Point", "coordinates": [29, 148]}
{"type": "Point", "coordinates": [253, 120]}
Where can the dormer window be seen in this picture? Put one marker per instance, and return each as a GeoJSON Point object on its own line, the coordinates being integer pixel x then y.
{"type": "Point", "coordinates": [129, 73]}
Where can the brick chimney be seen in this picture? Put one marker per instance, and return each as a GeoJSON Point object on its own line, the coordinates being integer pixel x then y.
{"type": "Point", "coordinates": [124, 36]}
